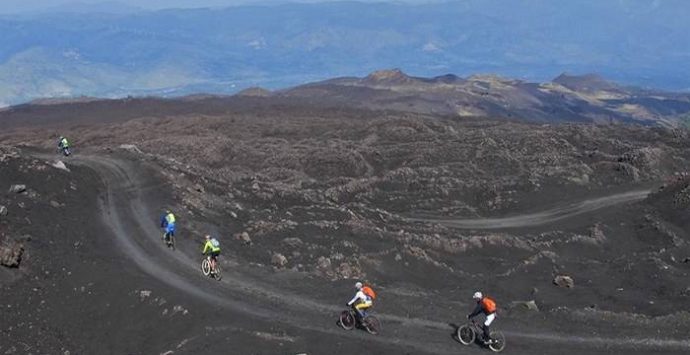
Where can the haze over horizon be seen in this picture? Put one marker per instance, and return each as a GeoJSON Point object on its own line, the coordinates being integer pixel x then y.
{"type": "Point", "coordinates": [19, 6]}
{"type": "Point", "coordinates": [52, 50]}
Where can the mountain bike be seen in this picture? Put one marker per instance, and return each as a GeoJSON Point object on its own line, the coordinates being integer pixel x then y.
{"type": "Point", "coordinates": [348, 321]}
{"type": "Point", "coordinates": [467, 334]}
{"type": "Point", "coordinates": [169, 240]}
{"type": "Point", "coordinates": [64, 151]}
{"type": "Point", "coordinates": [206, 268]}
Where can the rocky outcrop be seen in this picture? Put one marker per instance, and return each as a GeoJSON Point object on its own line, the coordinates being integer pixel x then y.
{"type": "Point", "coordinates": [18, 188]}
{"type": "Point", "coordinates": [279, 260]}
{"type": "Point", "coordinates": [564, 281]}
{"type": "Point", "coordinates": [11, 253]}
{"type": "Point", "coordinates": [244, 238]}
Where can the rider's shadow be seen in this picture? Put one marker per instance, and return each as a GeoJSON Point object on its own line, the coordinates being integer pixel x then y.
{"type": "Point", "coordinates": [454, 334]}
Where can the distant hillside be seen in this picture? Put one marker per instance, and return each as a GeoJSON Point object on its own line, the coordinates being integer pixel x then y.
{"type": "Point", "coordinates": [478, 96]}
{"type": "Point", "coordinates": [568, 98]}
{"type": "Point", "coordinates": [107, 51]}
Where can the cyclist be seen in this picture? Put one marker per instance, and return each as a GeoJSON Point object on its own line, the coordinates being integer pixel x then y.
{"type": "Point", "coordinates": [63, 145]}
{"type": "Point", "coordinates": [168, 223]}
{"type": "Point", "coordinates": [487, 306]}
{"type": "Point", "coordinates": [212, 246]}
{"type": "Point", "coordinates": [363, 300]}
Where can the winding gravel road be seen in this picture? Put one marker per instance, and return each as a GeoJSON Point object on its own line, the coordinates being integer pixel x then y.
{"type": "Point", "coordinates": [539, 218]}
{"type": "Point", "coordinates": [132, 220]}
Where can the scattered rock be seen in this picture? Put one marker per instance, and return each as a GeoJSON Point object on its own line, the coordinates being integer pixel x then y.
{"type": "Point", "coordinates": [3, 210]}
{"type": "Point", "coordinates": [349, 271]}
{"type": "Point", "coordinates": [279, 260]}
{"type": "Point", "coordinates": [530, 305]}
{"type": "Point", "coordinates": [199, 188]}
{"type": "Point", "coordinates": [564, 281]}
{"type": "Point", "coordinates": [55, 204]}
{"type": "Point", "coordinates": [8, 154]}
{"type": "Point", "coordinates": [293, 242]}
{"type": "Point", "coordinates": [131, 147]}
{"type": "Point", "coordinates": [244, 238]}
{"type": "Point", "coordinates": [524, 306]}
{"type": "Point", "coordinates": [179, 309]}
{"type": "Point", "coordinates": [398, 257]}
{"type": "Point", "coordinates": [17, 188]}
{"type": "Point", "coordinates": [596, 234]}
{"type": "Point", "coordinates": [323, 263]}
{"type": "Point", "coordinates": [60, 165]}
{"type": "Point", "coordinates": [144, 294]}
{"type": "Point", "coordinates": [11, 253]}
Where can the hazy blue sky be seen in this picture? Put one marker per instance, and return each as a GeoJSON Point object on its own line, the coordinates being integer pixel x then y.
{"type": "Point", "coordinates": [14, 6]}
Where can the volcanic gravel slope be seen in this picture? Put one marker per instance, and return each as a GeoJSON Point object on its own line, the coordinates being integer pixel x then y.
{"type": "Point", "coordinates": [340, 195]}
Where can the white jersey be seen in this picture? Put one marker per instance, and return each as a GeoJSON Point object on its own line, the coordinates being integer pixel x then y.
{"type": "Point", "coordinates": [360, 296]}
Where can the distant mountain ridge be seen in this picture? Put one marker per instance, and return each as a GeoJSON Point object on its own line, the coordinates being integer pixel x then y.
{"type": "Point", "coordinates": [109, 51]}
{"type": "Point", "coordinates": [588, 99]}
{"type": "Point", "coordinates": [568, 98]}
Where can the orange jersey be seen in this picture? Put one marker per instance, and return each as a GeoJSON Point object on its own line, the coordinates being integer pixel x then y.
{"type": "Point", "coordinates": [488, 305]}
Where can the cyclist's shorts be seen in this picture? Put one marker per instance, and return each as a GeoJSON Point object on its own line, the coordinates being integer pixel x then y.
{"type": "Point", "coordinates": [170, 229]}
{"type": "Point", "coordinates": [214, 254]}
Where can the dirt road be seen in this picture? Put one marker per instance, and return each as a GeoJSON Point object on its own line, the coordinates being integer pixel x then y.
{"type": "Point", "coordinates": [543, 217]}
{"type": "Point", "coordinates": [128, 212]}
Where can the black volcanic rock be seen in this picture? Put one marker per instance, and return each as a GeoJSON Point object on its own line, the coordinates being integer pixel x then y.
{"type": "Point", "coordinates": [422, 206]}
{"type": "Point", "coordinates": [11, 253]}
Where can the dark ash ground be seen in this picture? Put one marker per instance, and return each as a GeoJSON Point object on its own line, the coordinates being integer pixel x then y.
{"type": "Point", "coordinates": [340, 195]}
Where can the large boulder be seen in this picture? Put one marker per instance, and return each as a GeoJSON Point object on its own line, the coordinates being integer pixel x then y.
{"type": "Point", "coordinates": [323, 264]}
{"type": "Point", "coordinates": [279, 260]}
{"type": "Point", "coordinates": [60, 165]}
{"type": "Point", "coordinates": [244, 238]}
{"type": "Point", "coordinates": [11, 253]}
{"type": "Point", "coordinates": [17, 188]}
{"type": "Point", "coordinates": [525, 305]}
{"type": "Point", "coordinates": [564, 281]}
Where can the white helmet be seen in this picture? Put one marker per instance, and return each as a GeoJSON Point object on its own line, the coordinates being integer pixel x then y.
{"type": "Point", "coordinates": [358, 285]}
{"type": "Point", "coordinates": [477, 295]}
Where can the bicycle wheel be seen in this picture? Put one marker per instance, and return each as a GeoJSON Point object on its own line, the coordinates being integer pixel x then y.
{"type": "Point", "coordinates": [217, 275]}
{"type": "Point", "coordinates": [372, 325]}
{"type": "Point", "coordinates": [466, 335]}
{"type": "Point", "coordinates": [498, 342]}
{"type": "Point", "coordinates": [347, 320]}
{"type": "Point", "coordinates": [171, 242]}
{"type": "Point", "coordinates": [205, 267]}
